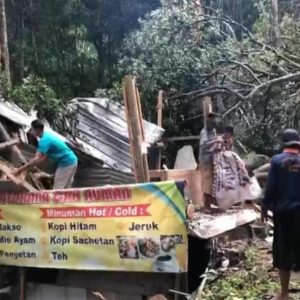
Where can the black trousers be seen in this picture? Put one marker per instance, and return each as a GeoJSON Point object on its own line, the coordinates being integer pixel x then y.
{"type": "Point", "coordinates": [286, 243]}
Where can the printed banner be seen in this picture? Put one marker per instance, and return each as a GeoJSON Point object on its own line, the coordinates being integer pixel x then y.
{"type": "Point", "coordinates": [127, 228]}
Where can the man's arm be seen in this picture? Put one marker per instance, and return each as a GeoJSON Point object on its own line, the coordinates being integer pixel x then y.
{"type": "Point", "coordinates": [39, 157]}
{"type": "Point", "coordinates": [270, 191]}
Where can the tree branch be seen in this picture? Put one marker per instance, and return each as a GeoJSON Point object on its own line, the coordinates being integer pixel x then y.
{"type": "Point", "coordinates": [242, 66]}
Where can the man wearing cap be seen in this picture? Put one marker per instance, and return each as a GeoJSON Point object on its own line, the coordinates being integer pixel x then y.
{"type": "Point", "coordinates": [282, 197]}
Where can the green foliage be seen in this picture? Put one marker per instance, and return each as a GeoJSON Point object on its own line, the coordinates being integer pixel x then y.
{"type": "Point", "coordinates": [78, 47]}
{"type": "Point", "coordinates": [180, 44]}
{"type": "Point", "coordinates": [113, 94]}
{"type": "Point", "coordinates": [35, 95]}
{"type": "Point", "coordinates": [167, 52]}
{"type": "Point", "coordinates": [251, 282]}
{"type": "Point", "coordinates": [72, 44]}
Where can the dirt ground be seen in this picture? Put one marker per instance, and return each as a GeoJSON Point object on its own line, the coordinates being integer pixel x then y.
{"type": "Point", "coordinates": [245, 272]}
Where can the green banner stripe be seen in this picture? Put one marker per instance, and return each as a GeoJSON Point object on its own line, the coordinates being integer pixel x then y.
{"type": "Point", "coordinates": [156, 190]}
{"type": "Point", "coordinates": [173, 193]}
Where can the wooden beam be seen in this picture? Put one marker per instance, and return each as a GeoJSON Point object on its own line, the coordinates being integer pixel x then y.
{"type": "Point", "coordinates": [191, 177]}
{"type": "Point", "coordinates": [9, 143]}
{"type": "Point", "coordinates": [22, 275]}
{"type": "Point", "coordinates": [134, 166]}
{"type": "Point", "coordinates": [181, 138]}
{"type": "Point", "coordinates": [135, 129]}
{"type": "Point", "coordinates": [159, 108]}
{"type": "Point", "coordinates": [144, 149]}
{"type": "Point", "coordinates": [18, 181]}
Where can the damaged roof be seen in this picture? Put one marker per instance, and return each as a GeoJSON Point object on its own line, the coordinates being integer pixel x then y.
{"type": "Point", "coordinates": [101, 125]}
{"type": "Point", "coordinates": [99, 128]}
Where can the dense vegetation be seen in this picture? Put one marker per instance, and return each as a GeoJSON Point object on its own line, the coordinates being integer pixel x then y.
{"type": "Point", "coordinates": [244, 54]}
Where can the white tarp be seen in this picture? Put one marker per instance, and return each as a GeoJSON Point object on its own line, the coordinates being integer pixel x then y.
{"type": "Point", "coordinates": [185, 159]}
{"type": "Point", "coordinates": [209, 226]}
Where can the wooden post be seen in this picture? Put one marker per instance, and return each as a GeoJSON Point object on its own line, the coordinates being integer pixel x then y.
{"type": "Point", "coordinates": [134, 166]}
{"type": "Point", "coordinates": [22, 295]}
{"type": "Point", "coordinates": [135, 129]}
{"type": "Point", "coordinates": [159, 107]}
{"type": "Point", "coordinates": [143, 145]}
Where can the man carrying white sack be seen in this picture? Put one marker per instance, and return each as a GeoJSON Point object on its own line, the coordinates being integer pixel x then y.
{"type": "Point", "coordinates": [231, 182]}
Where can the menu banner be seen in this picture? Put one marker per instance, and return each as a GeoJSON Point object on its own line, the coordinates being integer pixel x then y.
{"type": "Point", "coordinates": [139, 227]}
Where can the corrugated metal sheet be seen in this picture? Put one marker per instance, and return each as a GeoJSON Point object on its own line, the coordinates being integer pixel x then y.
{"type": "Point", "coordinates": [102, 126]}
{"type": "Point", "coordinates": [93, 176]}
{"type": "Point", "coordinates": [89, 173]}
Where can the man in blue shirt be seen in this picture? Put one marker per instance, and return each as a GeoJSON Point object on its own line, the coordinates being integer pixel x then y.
{"type": "Point", "coordinates": [54, 148]}
{"type": "Point", "coordinates": [282, 197]}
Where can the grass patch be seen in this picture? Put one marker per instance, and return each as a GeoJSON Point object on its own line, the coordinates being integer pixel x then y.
{"type": "Point", "coordinates": [252, 281]}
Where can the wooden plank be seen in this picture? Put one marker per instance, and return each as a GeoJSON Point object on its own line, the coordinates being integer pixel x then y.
{"type": "Point", "coordinates": [18, 181]}
{"type": "Point", "coordinates": [134, 167]}
{"type": "Point", "coordinates": [134, 120]}
{"type": "Point", "coordinates": [192, 178]}
{"type": "Point", "coordinates": [22, 275]}
{"type": "Point", "coordinates": [144, 154]}
{"type": "Point", "coordinates": [7, 144]}
{"type": "Point", "coordinates": [181, 138]}
{"type": "Point", "coordinates": [159, 107]}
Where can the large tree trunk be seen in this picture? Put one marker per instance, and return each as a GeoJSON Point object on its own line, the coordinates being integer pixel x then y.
{"type": "Point", "coordinates": [274, 20]}
{"type": "Point", "coordinates": [4, 53]}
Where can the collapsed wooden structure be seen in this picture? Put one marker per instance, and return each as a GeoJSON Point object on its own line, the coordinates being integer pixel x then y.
{"type": "Point", "coordinates": [206, 228]}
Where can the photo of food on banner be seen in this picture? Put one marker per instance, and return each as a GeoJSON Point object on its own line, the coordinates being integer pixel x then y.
{"type": "Point", "coordinates": [162, 250]}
